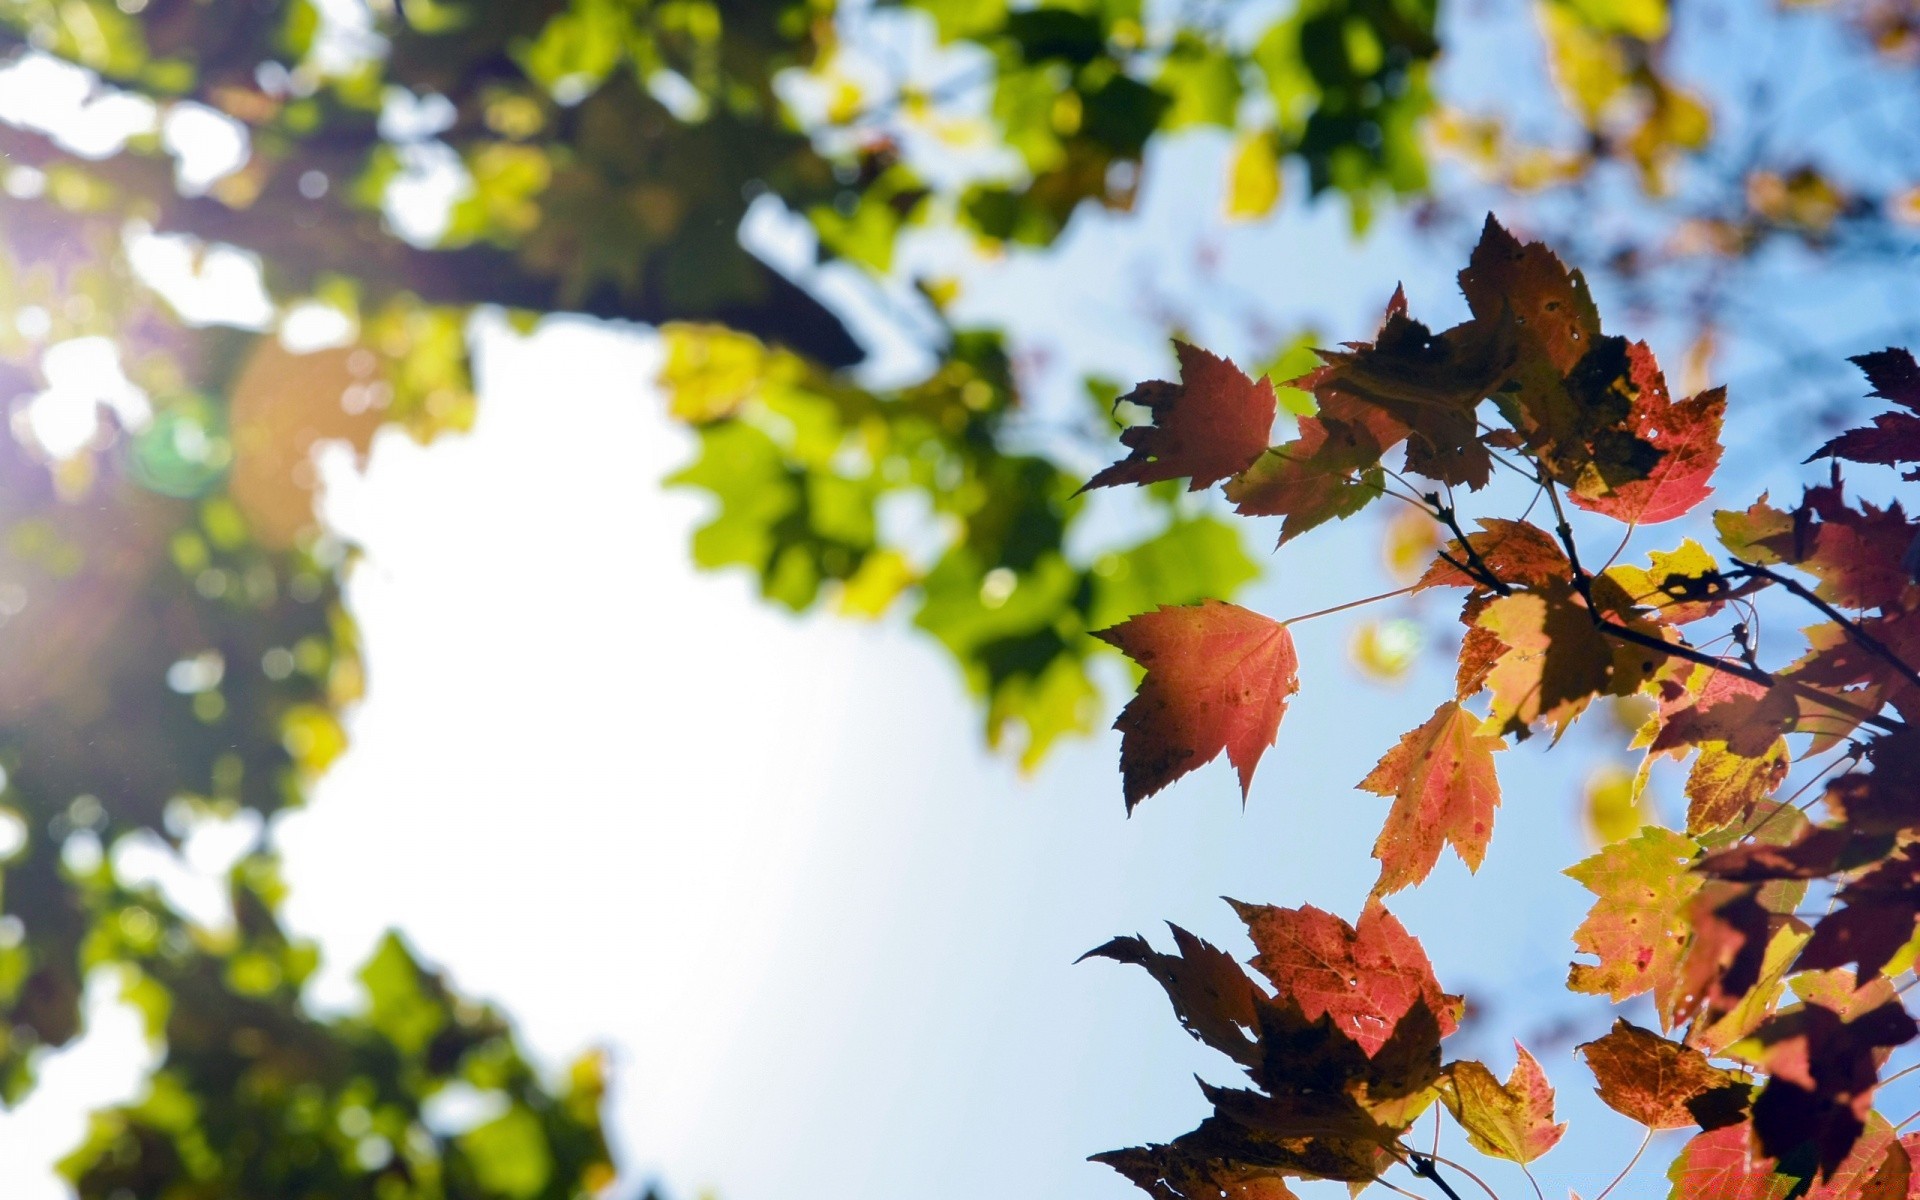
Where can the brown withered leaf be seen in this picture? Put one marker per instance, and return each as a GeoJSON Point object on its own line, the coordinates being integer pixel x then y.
{"type": "Point", "coordinates": [1660, 1083]}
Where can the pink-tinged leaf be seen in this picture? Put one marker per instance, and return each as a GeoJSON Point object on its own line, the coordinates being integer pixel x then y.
{"type": "Point", "coordinates": [1365, 977]}
{"type": "Point", "coordinates": [1719, 1165]}
{"type": "Point", "coordinates": [1218, 679]}
{"type": "Point", "coordinates": [1513, 1120]}
{"type": "Point", "coordinates": [1442, 781]}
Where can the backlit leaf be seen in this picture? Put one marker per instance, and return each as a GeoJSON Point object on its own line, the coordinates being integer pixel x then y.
{"type": "Point", "coordinates": [1218, 679]}
{"type": "Point", "coordinates": [1441, 778]}
{"type": "Point", "coordinates": [1366, 977]}
{"type": "Point", "coordinates": [1208, 427]}
{"type": "Point", "coordinates": [1513, 1120]}
{"type": "Point", "coordinates": [1638, 926]}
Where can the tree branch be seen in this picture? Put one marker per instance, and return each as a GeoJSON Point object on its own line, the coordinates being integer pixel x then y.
{"type": "Point", "coordinates": [301, 240]}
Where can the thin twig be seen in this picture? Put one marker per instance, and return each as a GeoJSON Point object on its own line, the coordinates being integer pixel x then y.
{"type": "Point", "coordinates": [1867, 641]}
{"type": "Point", "coordinates": [1628, 1168]}
{"type": "Point", "coordinates": [1327, 612]}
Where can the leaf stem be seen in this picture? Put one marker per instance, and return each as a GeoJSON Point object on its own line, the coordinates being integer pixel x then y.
{"type": "Point", "coordinates": [1327, 612]}
{"type": "Point", "coordinates": [1537, 1193]}
{"type": "Point", "coordinates": [1644, 1142]}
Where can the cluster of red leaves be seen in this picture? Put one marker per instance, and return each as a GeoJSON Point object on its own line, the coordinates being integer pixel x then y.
{"type": "Point", "coordinates": [1704, 920]}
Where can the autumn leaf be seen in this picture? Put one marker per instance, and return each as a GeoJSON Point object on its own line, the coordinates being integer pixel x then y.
{"type": "Point", "coordinates": [1441, 778]}
{"type": "Point", "coordinates": [1881, 909]}
{"type": "Point", "coordinates": [1824, 1066]}
{"type": "Point", "coordinates": [1208, 427]}
{"type": "Point", "coordinates": [1723, 787]}
{"type": "Point", "coordinates": [1662, 1084]}
{"type": "Point", "coordinates": [1366, 977]}
{"type": "Point", "coordinates": [1714, 1030]}
{"type": "Point", "coordinates": [1894, 437]}
{"type": "Point", "coordinates": [1718, 1165]}
{"type": "Point", "coordinates": [1429, 385]}
{"type": "Point", "coordinates": [1513, 1120]}
{"type": "Point", "coordinates": [1211, 995]}
{"type": "Point", "coordinates": [1331, 470]}
{"type": "Point", "coordinates": [1218, 678]}
{"type": "Point", "coordinates": [1518, 553]}
{"type": "Point", "coordinates": [1687, 436]}
{"type": "Point", "coordinates": [1879, 1167]}
{"type": "Point", "coordinates": [1556, 661]}
{"type": "Point", "coordinates": [1551, 304]}
{"type": "Point", "coordinates": [1684, 584]}
{"type": "Point", "coordinates": [1638, 927]}
{"type": "Point", "coordinates": [1173, 1173]}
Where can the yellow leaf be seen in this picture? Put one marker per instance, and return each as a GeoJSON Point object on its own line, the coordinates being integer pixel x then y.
{"type": "Point", "coordinates": [1253, 180]}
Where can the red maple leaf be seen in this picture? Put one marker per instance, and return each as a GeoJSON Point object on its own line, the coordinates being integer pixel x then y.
{"type": "Point", "coordinates": [1365, 977]}
{"type": "Point", "coordinates": [1208, 427]}
{"type": "Point", "coordinates": [1687, 434]}
{"type": "Point", "coordinates": [1218, 678]}
{"type": "Point", "coordinates": [1894, 437]}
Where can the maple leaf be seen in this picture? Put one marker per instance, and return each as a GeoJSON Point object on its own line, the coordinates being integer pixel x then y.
{"type": "Point", "coordinates": [1662, 1084]}
{"type": "Point", "coordinates": [1638, 927]}
{"type": "Point", "coordinates": [1687, 436]}
{"type": "Point", "coordinates": [1724, 955]}
{"type": "Point", "coordinates": [1550, 304]}
{"type": "Point", "coordinates": [1365, 977]}
{"type": "Point", "coordinates": [1176, 1173]}
{"type": "Point", "coordinates": [1879, 1167]}
{"type": "Point", "coordinates": [1513, 1120]}
{"type": "Point", "coordinates": [1428, 384]}
{"type": "Point", "coordinates": [1684, 584]}
{"type": "Point", "coordinates": [1894, 437]}
{"type": "Point", "coordinates": [1723, 787]}
{"type": "Point", "coordinates": [1480, 650]}
{"type": "Point", "coordinates": [1818, 852]}
{"type": "Point", "coordinates": [1714, 1030]}
{"type": "Point", "coordinates": [1331, 470]}
{"type": "Point", "coordinates": [1208, 427]}
{"type": "Point", "coordinates": [1718, 1165]}
{"type": "Point", "coordinates": [1211, 995]}
{"type": "Point", "coordinates": [1882, 906]}
{"type": "Point", "coordinates": [1885, 799]}
{"type": "Point", "coordinates": [1218, 678]}
{"type": "Point", "coordinates": [1555, 662]}
{"type": "Point", "coordinates": [1441, 778]}
{"type": "Point", "coordinates": [1823, 1067]}
{"type": "Point", "coordinates": [1518, 553]}
{"type": "Point", "coordinates": [1325, 1108]}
